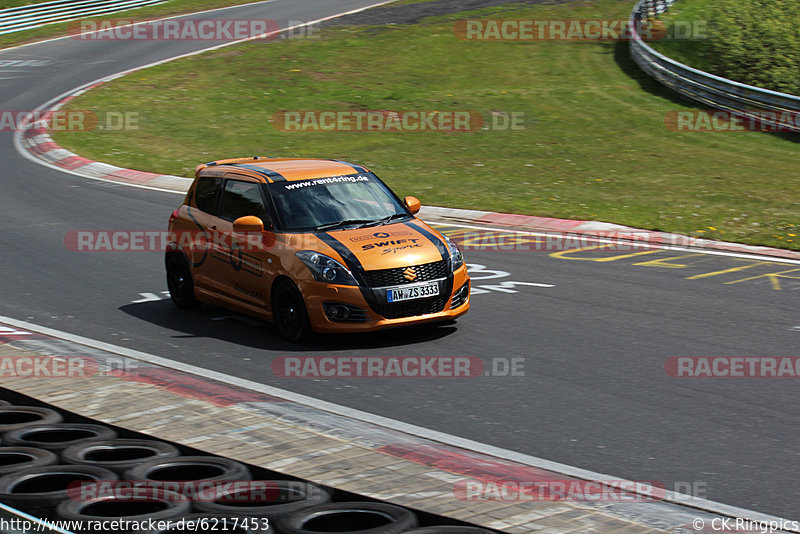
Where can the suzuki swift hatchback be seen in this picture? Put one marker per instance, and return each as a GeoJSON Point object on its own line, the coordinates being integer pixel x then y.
{"type": "Point", "coordinates": [310, 244]}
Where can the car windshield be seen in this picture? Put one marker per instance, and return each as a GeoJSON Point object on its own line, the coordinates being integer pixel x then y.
{"type": "Point", "coordinates": [335, 202]}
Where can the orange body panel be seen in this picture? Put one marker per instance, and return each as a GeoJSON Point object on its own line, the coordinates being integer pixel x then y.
{"type": "Point", "coordinates": [240, 271]}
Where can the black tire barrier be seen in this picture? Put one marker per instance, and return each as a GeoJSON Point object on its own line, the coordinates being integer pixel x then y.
{"type": "Point", "coordinates": [189, 468]}
{"type": "Point", "coordinates": [119, 454]}
{"type": "Point", "coordinates": [158, 506]}
{"type": "Point", "coordinates": [14, 417]}
{"type": "Point", "coordinates": [57, 436]}
{"type": "Point", "coordinates": [97, 494]}
{"type": "Point", "coordinates": [220, 523]}
{"type": "Point", "coordinates": [40, 489]}
{"type": "Point", "coordinates": [449, 530]}
{"type": "Point", "coordinates": [13, 459]}
{"type": "Point", "coordinates": [4, 403]}
{"type": "Point", "coordinates": [272, 500]}
{"type": "Point", "coordinates": [349, 518]}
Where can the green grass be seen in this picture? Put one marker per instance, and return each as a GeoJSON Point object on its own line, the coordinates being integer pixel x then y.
{"type": "Point", "coordinates": [594, 145]}
{"type": "Point", "coordinates": [693, 14]}
{"type": "Point", "coordinates": [172, 7]}
{"type": "Point", "coordinates": [5, 4]}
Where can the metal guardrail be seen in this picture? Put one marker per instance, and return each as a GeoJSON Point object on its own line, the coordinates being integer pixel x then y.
{"type": "Point", "coordinates": [21, 18]}
{"type": "Point", "coordinates": [708, 89]}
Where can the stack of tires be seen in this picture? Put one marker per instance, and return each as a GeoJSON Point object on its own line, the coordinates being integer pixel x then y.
{"type": "Point", "coordinates": [60, 470]}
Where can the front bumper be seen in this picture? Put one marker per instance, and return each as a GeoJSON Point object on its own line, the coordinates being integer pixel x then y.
{"type": "Point", "coordinates": [368, 317]}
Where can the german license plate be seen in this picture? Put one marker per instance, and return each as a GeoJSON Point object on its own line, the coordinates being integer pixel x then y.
{"type": "Point", "coordinates": [420, 291]}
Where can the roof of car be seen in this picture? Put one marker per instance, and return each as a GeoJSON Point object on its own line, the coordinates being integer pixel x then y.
{"type": "Point", "coordinates": [272, 170]}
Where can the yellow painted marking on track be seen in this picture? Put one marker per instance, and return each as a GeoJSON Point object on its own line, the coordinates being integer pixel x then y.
{"type": "Point", "coordinates": [731, 270]}
{"type": "Point", "coordinates": [773, 277]}
{"type": "Point", "coordinates": [665, 262]}
{"type": "Point", "coordinates": [562, 254]}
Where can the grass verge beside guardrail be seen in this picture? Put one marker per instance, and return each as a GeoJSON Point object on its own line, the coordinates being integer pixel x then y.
{"type": "Point", "coordinates": [694, 18]}
{"type": "Point", "coordinates": [594, 144]}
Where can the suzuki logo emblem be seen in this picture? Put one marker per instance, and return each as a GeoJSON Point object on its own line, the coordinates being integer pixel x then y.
{"type": "Point", "coordinates": [410, 274]}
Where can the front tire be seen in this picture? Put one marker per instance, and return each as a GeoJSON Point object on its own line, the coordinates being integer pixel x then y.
{"type": "Point", "coordinates": [289, 312]}
{"type": "Point", "coordinates": [180, 283]}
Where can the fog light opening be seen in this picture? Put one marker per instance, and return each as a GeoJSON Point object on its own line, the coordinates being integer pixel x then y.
{"type": "Point", "coordinates": [338, 312]}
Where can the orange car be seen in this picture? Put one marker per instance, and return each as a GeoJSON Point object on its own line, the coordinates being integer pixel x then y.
{"type": "Point", "coordinates": [310, 244]}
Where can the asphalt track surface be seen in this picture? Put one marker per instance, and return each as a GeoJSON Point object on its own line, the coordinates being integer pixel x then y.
{"type": "Point", "coordinates": [594, 392]}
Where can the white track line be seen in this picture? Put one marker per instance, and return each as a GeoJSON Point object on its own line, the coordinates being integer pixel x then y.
{"type": "Point", "coordinates": [413, 430]}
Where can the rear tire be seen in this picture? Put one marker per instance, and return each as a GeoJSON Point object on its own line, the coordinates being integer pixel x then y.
{"type": "Point", "coordinates": [180, 282]}
{"type": "Point", "coordinates": [289, 312]}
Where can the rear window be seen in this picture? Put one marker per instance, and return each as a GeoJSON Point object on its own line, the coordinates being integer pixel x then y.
{"type": "Point", "coordinates": [205, 195]}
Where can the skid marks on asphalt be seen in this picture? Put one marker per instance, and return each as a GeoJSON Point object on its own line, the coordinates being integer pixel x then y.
{"type": "Point", "coordinates": [15, 65]}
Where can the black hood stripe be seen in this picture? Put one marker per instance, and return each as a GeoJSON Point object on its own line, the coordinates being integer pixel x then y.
{"type": "Point", "coordinates": [442, 246]}
{"type": "Point", "coordinates": [351, 260]}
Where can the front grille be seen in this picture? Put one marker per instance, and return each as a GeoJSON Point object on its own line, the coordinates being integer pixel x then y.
{"type": "Point", "coordinates": [460, 297]}
{"type": "Point", "coordinates": [410, 308]}
{"type": "Point", "coordinates": [394, 277]}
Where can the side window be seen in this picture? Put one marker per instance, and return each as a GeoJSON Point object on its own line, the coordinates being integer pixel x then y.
{"type": "Point", "coordinates": [240, 199]}
{"type": "Point", "coordinates": [205, 195]}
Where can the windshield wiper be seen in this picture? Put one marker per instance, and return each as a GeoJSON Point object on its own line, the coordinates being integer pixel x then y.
{"type": "Point", "coordinates": [385, 220]}
{"type": "Point", "coordinates": [337, 224]}
{"type": "Point", "coordinates": [362, 223]}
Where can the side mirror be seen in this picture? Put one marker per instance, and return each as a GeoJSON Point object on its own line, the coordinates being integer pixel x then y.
{"type": "Point", "coordinates": [248, 225]}
{"type": "Point", "coordinates": [413, 204]}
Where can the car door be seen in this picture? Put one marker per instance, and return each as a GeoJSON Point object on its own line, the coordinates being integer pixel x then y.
{"type": "Point", "coordinates": [195, 230]}
{"type": "Point", "coordinates": [243, 265]}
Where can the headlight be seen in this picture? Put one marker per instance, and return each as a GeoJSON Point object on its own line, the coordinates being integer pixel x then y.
{"type": "Point", "coordinates": [456, 258]}
{"type": "Point", "coordinates": [326, 269]}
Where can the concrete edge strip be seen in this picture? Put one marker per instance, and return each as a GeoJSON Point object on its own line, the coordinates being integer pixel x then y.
{"type": "Point", "coordinates": [672, 497]}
